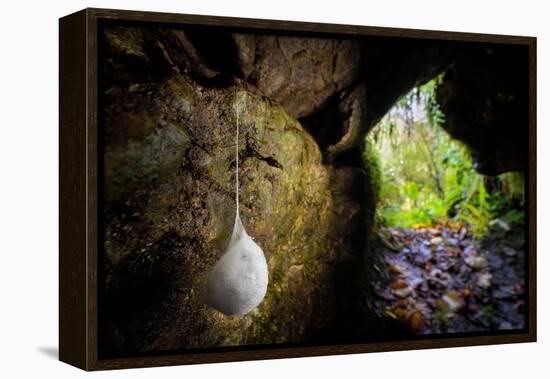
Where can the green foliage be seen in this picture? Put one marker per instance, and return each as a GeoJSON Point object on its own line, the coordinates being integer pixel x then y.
{"type": "Point", "coordinates": [426, 177]}
{"type": "Point", "coordinates": [487, 313]}
{"type": "Point", "coordinates": [372, 164]}
{"type": "Point", "coordinates": [514, 217]}
{"type": "Point", "coordinates": [442, 320]}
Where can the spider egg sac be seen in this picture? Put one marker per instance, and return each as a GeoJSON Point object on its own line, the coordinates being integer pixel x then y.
{"type": "Point", "coordinates": [238, 281]}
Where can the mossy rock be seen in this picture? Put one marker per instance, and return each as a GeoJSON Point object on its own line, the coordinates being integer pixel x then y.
{"type": "Point", "coordinates": [169, 172]}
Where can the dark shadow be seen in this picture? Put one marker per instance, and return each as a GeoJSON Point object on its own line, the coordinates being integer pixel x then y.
{"type": "Point", "coordinates": [50, 351]}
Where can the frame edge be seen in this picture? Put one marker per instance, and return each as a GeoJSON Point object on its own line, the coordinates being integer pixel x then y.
{"type": "Point", "coordinates": [72, 180]}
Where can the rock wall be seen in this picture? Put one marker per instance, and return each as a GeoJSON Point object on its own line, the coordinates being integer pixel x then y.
{"type": "Point", "coordinates": [169, 192]}
{"type": "Point", "coordinates": [485, 99]}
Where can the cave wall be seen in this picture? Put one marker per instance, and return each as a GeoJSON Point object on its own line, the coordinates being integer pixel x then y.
{"type": "Point", "coordinates": [484, 96]}
{"type": "Point", "coordinates": [170, 100]}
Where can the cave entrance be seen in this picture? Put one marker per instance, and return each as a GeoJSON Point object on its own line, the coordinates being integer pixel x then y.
{"type": "Point", "coordinates": [451, 240]}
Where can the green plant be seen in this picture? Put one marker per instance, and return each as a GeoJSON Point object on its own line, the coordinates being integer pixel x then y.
{"type": "Point", "coordinates": [424, 177]}
{"type": "Point", "coordinates": [477, 213]}
{"type": "Point", "coordinates": [487, 313]}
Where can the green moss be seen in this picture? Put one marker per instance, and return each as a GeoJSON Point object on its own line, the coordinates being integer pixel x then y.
{"type": "Point", "coordinates": [141, 161]}
{"type": "Point", "coordinates": [288, 210]}
{"type": "Point", "coordinates": [372, 166]}
{"type": "Point", "coordinates": [125, 41]}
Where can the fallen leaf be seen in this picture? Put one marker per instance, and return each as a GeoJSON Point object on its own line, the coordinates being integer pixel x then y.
{"type": "Point", "coordinates": [476, 262]}
{"type": "Point", "coordinates": [401, 303]}
{"type": "Point", "coordinates": [508, 251]}
{"type": "Point", "coordinates": [484, 280]}
{"type": "Point", "coordinates": [452, 250]}
{"type": "Point", "coordinates": [403, 292]}
{"type": "Point", "coordinates": [401, 313]}
{"type": "Point", "coordinates": [416, 321]}
{"type": "Point", "coordinates": [398, 284]}
{"type": "Point", "coordinates": [396, 270]}
{"type": "Point", "coordinates": [385, 294]}
{"type": "Point", "coordinates": [470, 250]}
{"type": "Point", "coordinates": [454, 301]}
{"type": "Point", "coordinates": [463, 232]}
{"type": "Point", "coordinates": [415, 281]}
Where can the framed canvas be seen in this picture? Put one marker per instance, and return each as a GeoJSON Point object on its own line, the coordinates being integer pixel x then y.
{"type": "Point", "coordinates": [239, 189]}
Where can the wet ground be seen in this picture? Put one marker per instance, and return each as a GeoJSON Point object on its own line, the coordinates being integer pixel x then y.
{"type": "Point", "coordinates": [445, 280]}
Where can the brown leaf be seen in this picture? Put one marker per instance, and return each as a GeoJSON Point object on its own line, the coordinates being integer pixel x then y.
{"type": "Point", "coordinates": [396, 270]}
{"type": "Point", "coordinates": [416, 321]}
{"type": "Point", "coordinates": [435, 232]}
{"type": "Point", "coordinates": [400, 313]}
{"type": "Point", "coordinates": [398, 284]}
{"type": "Point", "coordinates": [453, 301]}
{"type": "Point", "coordinates": [452, 250]}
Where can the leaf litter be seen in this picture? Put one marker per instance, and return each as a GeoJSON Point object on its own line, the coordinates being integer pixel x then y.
{"type": "Point", "coordinates": [443, 279]}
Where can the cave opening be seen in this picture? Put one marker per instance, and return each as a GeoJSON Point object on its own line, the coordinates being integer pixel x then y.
{"type": "Point", "coordinates": [450, 239]}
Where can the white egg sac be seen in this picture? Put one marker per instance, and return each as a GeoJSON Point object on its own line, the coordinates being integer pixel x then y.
{"type": "Point", "coordinates": [238, 281]}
